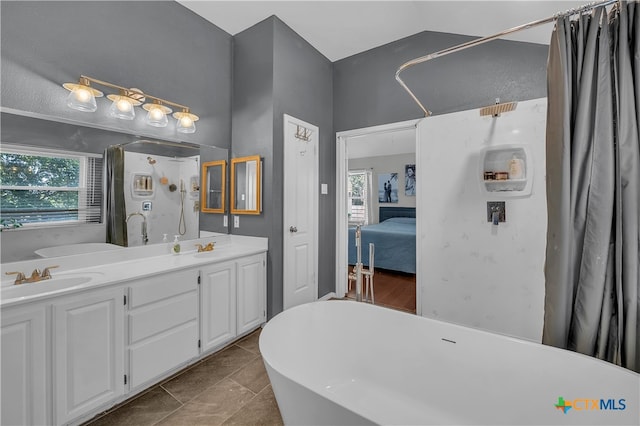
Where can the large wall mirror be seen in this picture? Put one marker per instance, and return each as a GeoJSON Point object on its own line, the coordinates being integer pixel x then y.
{"type": "Point", "coordinates": [162, 182]}
{"type": "Point", "coordinates": [246, 180]}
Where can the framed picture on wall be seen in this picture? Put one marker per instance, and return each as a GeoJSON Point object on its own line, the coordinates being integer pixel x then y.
{"type": "Point", "coordinates": [410, 179]}
{"type": "Point", "coordinates": [388, 188]}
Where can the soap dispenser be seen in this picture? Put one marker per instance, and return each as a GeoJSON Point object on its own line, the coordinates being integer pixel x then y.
{"type": "Point", "coordinates": [165, 242]}
{"type": "Point", "coordinates": [175, 246]}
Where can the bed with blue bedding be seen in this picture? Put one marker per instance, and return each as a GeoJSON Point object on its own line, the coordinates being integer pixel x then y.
{"type": "Point", "coordinates": [394, 239]}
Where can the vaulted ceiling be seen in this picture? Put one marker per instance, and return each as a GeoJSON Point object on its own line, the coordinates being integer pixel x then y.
{"type": "Point", "coordinates": [339, 29]}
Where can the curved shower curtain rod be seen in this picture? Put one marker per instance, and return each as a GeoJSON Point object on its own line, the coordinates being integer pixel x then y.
{"type": "Point", "coordinates": [482, 40]}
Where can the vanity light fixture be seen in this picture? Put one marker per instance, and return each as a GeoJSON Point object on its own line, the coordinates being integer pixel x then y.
{"type": "Point", "coordinates": [157, 114]}
{"type": "Point", "coordinates": [82, 98]}
{"type": "Point", "coordinates": [124, 103]}
{"type": "Point", "coordinates": [186, 121]}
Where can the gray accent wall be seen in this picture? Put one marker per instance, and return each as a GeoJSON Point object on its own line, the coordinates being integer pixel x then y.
{"type": "Point", "coordinates": [276, 72]}
{"type": "Point", "coordinates": [241, 86]}
{"type": "Point", "coordinates": [367, 94]}
{"type": "Point", "coordinates": [160, 47]}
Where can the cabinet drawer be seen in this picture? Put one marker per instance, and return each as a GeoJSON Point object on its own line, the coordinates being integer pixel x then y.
{"type": "Point", "coordinates": [152, 289]}
{"type": "Point", "coordinates": [160, 354]}
{"type": "Point", "coordinates": [161, 316]}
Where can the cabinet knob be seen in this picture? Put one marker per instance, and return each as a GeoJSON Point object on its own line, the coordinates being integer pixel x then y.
{"type": "Point", "coordinates": [293, 229]}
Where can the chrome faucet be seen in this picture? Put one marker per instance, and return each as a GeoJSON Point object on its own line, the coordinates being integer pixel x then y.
{"type": "Point", "coordinates": [145, 238]}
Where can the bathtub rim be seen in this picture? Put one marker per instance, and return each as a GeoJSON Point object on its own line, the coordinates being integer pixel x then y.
{"type": "Point", "coordinates": [299, 379]}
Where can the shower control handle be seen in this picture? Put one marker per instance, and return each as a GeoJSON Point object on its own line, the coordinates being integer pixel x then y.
{"type": "Point", "coordinates": [293, 229]}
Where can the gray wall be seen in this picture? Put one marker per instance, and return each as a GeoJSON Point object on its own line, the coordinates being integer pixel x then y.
{"type": "Point", "coordinates": [252, 134]}
{"type": "Point", "coordinates": [277, 72]}
{"type": "Point", "coordinates": [303, 88]}
{"type": "Point", "coordinates": [160, 47]}
{"type": "Point", "coordinates": [254, 77]}
{"type": "Point", "coordinates": [367, 94]}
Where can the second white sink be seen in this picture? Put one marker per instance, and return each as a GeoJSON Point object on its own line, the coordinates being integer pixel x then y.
{"type": "Point", "coordinates": [61, 282]}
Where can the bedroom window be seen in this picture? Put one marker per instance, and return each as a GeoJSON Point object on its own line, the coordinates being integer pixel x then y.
{"type": "Point", "coordinates": [359, 203]}
{"type": "Point", "coordinates": [44, 188]}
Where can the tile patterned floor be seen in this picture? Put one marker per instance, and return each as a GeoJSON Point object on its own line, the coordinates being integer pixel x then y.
{"type": "Point", "coordinates": [230, 387]}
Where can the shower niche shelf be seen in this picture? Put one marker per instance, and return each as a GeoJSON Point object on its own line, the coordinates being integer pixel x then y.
{"type": "Point", "coordinates": [141, 185]}
{"type": "Point", "coordinates": [507, 169]}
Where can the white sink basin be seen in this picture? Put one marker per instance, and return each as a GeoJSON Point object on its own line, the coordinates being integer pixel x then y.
{"type": "Point", "coordinates": [61, 282]}
{"type": "Point", "coordinates": [72, 249]}
{"type": "Point", "coordinates": [205, 253]}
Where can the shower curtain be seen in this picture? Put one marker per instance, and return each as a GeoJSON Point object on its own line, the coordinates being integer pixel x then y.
{"type": "Point", "coordinates": [593, 186]}
{"type": "Point", "coordinates": [116, 210]}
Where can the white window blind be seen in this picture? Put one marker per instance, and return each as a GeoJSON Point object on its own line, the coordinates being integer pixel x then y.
{"type": "Point", "coordinates": [46, 187]}
{"type": "Point", "coordinates": [358, 198]}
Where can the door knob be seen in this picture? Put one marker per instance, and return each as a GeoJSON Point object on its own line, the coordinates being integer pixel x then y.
{"type": "Point", "coordinates": [293, 229]}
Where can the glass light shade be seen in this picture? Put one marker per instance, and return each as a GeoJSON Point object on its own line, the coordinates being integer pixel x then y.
{"type": "Point", "coordinates": [186, 125]}
{"type": "Point", "coordinates": [122, 107]}
{"type": "Point", "coordinates": [82, 97]}
{"type": "Point", "coordinates": [157, 114]}
{"type": "Point", "coordinates": [186, 122]}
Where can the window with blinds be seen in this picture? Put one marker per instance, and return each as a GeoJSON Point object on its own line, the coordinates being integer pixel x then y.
{"type": "Point", "coordinates": [357, 192]}
{"type": "Point", "coordinates": [42, 188]}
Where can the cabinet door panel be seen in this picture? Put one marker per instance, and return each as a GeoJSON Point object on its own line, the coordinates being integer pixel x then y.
{"type": "Point", "coordinates": [153, 289]}
{"type": "Point", "coordinates": [218, 305]}
{"type": "Point", "coordinates": [24, 383]}
{"type": "Point", "coordinates": [251, 289]}
{"type": "Point", "coordinates": [89, 352]}
{"type": "Point", "coordinates": [163, 352]}
{"type": "Point", "coordinates": [162, 316]}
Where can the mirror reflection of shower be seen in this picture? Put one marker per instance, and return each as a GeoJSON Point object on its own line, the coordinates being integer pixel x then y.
{"type": "Point", "coordinates": [155, 186]}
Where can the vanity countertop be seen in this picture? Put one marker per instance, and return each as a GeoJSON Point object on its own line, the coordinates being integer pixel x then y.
{"type": "Point", "coordinates": [90, 271]}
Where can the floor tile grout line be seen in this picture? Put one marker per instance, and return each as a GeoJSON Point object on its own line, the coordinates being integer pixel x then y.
{"type": "Point", "coordinates": [192, 402]}
{"type": "Point", "coordinates": [172, 395]}
{"type": "Point", "coordinates": [177, 374]}
{"type": "Point", "coordinates": [240, 384]}
{"type": "Point", "coordinates": [168, 414]}
{"type": "Point", "coordinates": [228, 376]}
{"type": "Point", "coordinates": [253, 396]}
{"type": "Point", "coordinates": [123, 404]}
{"type": "Point", "coordinates": [242, 406]}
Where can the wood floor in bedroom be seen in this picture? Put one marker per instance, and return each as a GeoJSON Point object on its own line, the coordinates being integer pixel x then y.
{"type": "Point", "coordinates": [392, 289]}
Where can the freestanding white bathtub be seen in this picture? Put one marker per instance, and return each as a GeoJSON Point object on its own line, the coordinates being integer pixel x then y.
{"type": "Point", "coordinates": [342, 363]}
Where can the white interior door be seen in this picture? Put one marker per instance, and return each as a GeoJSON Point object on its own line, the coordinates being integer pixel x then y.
{"type": "Point", "coordinates": [300, 212]}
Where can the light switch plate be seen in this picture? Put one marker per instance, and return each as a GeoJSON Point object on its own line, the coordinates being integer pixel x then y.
{"type": "Point", "coordinates": [236, 221]}
{"type": "Point", "coordinates": [225, 220]}
{"type": "Point", "coordinates": [324, 189]}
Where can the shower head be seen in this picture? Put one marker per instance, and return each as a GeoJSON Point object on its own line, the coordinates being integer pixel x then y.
{"type": "Point", "coordinates": [498, 108]}
{"type": "Point", "coordinates": [151, 161]}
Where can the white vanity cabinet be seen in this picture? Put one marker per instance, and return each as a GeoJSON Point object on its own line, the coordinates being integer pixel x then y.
{"type": "Point", "coordinates": [69, 356]}
{"type": "Point", "coordinates": [217, 305]}
{"type": "Point", "coordinates": [24, 368]}
{"type": "Point", "coordinates": [88, 351]}
{"type": "Point", "coordinates": [163, 325]}
{"type": "Point", "coordinates": [251, 292]}
{"type": "Point", "coordinates": [232, 299]}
